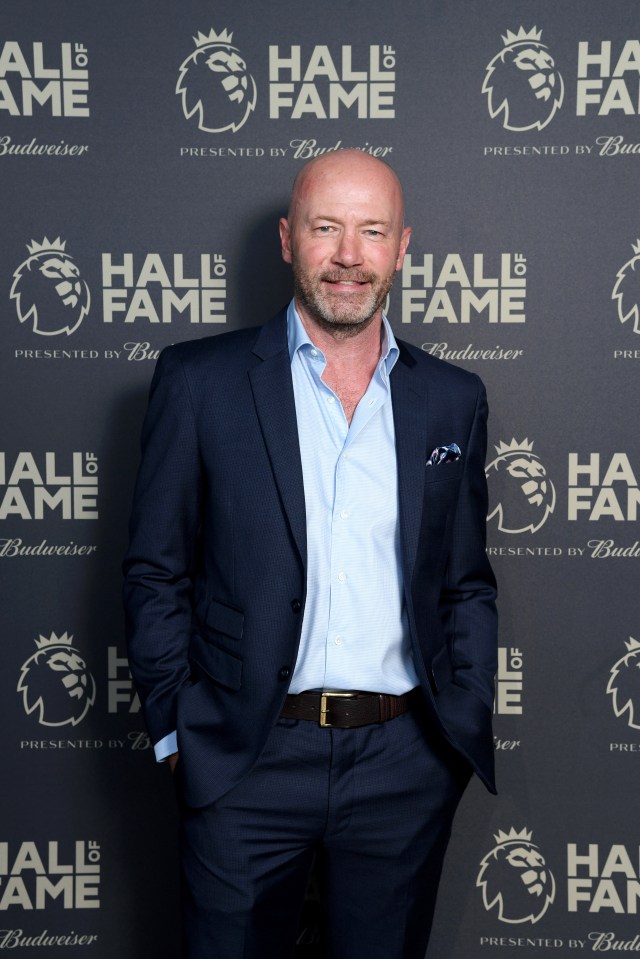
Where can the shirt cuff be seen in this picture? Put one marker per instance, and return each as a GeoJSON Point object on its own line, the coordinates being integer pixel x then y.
{"type": "Point", "coordinates": [166, 747]}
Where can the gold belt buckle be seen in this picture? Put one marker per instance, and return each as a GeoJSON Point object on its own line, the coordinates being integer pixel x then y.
{"type": "Point", "coordinates": [323, 705]}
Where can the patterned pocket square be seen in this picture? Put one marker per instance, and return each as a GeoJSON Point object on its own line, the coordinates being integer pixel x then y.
{"type": "Point", "coordinates": [444, 454]}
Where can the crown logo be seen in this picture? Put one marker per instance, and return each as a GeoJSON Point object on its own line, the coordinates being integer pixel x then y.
{"type": "Point", "coordinates": [53, 640]}
{"type": "Point", "coordinates": [204, 39]}
{"type": "Point", "coordinates": [521, 36]}
{"type": "Point", "coordinates": [633, 644]}
{"type": "Point", "coordinates": [47, 246]}
{"type": "Point", "coordinates": [512, 836]}
{"type": "Point", "coordinates": [514, 447]}
{"type": "Point", "coordinates": [636, 247]}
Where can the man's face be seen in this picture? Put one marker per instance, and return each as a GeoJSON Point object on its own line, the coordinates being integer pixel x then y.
{"type": "Point", "coordinates": [345, 241]}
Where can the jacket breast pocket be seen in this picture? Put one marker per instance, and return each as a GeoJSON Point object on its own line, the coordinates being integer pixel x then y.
{"type": "Point", "coordinates": [443, 472]}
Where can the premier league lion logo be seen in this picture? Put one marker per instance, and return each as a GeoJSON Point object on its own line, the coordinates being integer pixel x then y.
{"type": "Point", "coordinates": [624, 685]}
{"type": "Point", "coordinates": [522, 84]}
{"type": "Point", "coordinates": [215, 84]}
{"type": "Point", "coordinates": [525, 496]}
{"type": "Point", "coordinates": [627, 289]}
{"type": "Point", "coordinates": [48, 289]}
{"type": "Point", "coordinates": [515, 880]}
{"type": "Point", "coordinates": [56, 684]}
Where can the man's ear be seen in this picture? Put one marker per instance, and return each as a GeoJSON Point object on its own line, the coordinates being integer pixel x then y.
{"type": "Point", "coordinates": [404, 243]}
{"type": "Point", "coordinates": [285, 239]}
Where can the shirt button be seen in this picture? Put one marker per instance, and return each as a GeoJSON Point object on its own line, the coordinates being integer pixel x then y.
{"type": "Point", "coordinates": [338, 640]}
{"type": "Point", "coordinates": [331, 399]}
{"type": "Point", "coordinates": [313, 352]}
{"type": "Point", "coordinates": [284, 673]}
{"type": "Point", "coordinates": [344, 514]}
{"type": "Point", "coordinates": [296, 605]}
{"type": "Point", "coordinates": [342, 577]}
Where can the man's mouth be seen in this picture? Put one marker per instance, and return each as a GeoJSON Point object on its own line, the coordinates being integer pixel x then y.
{"type": "Point", "coordinates": [348, 282]}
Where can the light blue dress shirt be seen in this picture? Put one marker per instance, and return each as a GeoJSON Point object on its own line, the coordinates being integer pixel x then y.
{"type": "Point", "coordinates": [354, 632]}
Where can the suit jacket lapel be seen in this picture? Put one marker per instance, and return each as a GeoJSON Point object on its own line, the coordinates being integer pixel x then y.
{"type": "Point", "coordinates": [273, 395]}
{"type": "Point", "coordinates": [275, 404]}
{"type": "Point", "coordinates": [410, 416]}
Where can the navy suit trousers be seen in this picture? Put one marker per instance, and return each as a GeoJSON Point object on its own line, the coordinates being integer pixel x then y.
{"type": "Point", "coordinates": [373, 805]}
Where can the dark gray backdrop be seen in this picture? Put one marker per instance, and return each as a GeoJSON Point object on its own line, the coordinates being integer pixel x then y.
{"type": "Point", "coordinates": [112, 198]}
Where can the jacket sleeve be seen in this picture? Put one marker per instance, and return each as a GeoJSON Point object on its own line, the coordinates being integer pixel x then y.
{"type": "Point", "coordinates": [164, 533]}
{"type": "Point", "coordinates": [467, 602]}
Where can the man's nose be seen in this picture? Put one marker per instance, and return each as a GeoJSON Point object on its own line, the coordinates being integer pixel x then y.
{"type": "Point", "coordinates": [348, 251]}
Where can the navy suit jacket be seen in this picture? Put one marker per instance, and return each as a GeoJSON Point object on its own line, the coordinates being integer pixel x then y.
{"type": "Point", "coordinates": [215, 572]}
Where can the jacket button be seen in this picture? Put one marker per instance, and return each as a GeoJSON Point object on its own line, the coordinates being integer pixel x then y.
{"type": "Point", "coordinates": [284, 673]}
{"type": "Point", "coordinates": [296, 605]}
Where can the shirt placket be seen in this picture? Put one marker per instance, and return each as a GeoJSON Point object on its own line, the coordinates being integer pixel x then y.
{"type": "Point", "coordinates": [347, 504]}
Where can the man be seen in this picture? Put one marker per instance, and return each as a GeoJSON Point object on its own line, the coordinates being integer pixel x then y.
{"type": "Point", "coordinates": [311, 612]}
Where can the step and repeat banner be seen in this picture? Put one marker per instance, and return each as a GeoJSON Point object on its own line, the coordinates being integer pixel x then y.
{"type": "Point", "coordinates": [146, 152]}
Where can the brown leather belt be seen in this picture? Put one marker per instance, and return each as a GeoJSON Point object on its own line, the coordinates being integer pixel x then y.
{"type": "Point", "coordinates": [345, 710]}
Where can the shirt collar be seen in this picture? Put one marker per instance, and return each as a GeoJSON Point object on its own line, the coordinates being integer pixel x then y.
{"type": "Point", "coordinates": [297, 337]}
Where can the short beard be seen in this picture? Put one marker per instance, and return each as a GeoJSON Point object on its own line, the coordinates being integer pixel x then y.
{"type": "Point", "coordinates": [340, 319]}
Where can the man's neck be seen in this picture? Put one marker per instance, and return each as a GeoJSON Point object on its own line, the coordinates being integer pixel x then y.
{"type": "Point", "coordinates": [351, 360]}
{"type": "Point", "coordinates": [355, 350]}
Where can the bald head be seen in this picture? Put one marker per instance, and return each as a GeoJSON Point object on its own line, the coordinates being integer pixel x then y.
{"type": "Point", "coordinates": [339, 164]}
